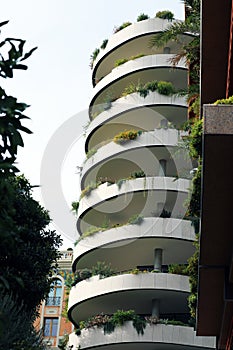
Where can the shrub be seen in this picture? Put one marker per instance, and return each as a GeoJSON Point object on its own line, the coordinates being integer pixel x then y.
{"type": "Point", "coordinates": [135, 219]}
{"type": "Point", "coordinates": [120, 61]}
{"type": "Point", "coordinates": [124, 60]}
{"type": "Point", "coordinates": [137, 56]}
{"type": "Point", "coordinates": [94, 56]}
{"type": "Point", "coordinates": [179, 269]}
{"type": "Point", "coordinates": [104, 44]}
{"type": "Point", "coordinates": [142, 17]}
{"type": "Point", "coordinates": [81, 275]}
{"type": "Point", "coordinates": [224, 101]}
{"type": "Point", "coordinates": [122, 26]}
{"type": "Point", "coordinates": [102, 269]}
{"type": "Point", "coordinates": [137, 174]}
{"type": "Point", "coordinates": [120, 317]}
{"type": "Point", "coordinates": [87, 190]}
{"type": "Point", "coordinates": [165, 15]}
{"type": "Point", "coordinates": [126, 136]}
{"type": "Point", "coordinates": [162, 87]}
{"type": "Point", "coordinates": [152, 85]}
{"type": "Point", "coordinates": [143, 92]}
{"type": "Point", "coordinates": [165, 88]}
{"type": "Point", "coordinates": [130, 89]}
{"type": "Point", "coordinates": [74, 207]}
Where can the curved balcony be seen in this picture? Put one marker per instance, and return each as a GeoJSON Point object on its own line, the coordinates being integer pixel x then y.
{"type": "Point", "coordinates": [128, 42]}
{"type": "Point", "coordinates": [128, 291]}
{"type": "Point", "coordinates": [144, 69]}
{"type": "Point", "coordinates": [117, 161]}
{"type": "Point", "coordinates": [145, 196]}
{"type": "Point", "coordinates": [174, 236]}
{"type": "Point", "coordinates": [155, 337]}
{"type": "Point", "coordinates": [126, 113]}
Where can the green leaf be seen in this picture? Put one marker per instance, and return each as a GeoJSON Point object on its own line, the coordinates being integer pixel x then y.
{"type": "Point", "coordinates": [23, 128]}
{"type": "Point", "coordinates": [3, 23]}
{"type": "Point", "coordinates": [5, 282]}
{"type": "Point", "coordinates": [21, 66]}
{"type": "Point", "coordinates": [21, 45]}
{"type": "Point", "coordinates": [28, 54]}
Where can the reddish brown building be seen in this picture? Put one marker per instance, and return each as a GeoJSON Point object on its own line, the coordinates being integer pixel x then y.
{"type": "Point", "coordinates": [215, 296]}
{"type": "Point", "coordinates": [52, 321]}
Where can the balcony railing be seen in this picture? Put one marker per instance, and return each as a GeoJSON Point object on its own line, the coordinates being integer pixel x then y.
{"type": "Point", "coordinates": [53, 301]}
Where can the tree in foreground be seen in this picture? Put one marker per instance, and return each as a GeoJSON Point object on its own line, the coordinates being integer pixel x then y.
{"type": "Point", "coordinates": [28, 250]}
{"type": "Point", "coordinates": [190, 49]}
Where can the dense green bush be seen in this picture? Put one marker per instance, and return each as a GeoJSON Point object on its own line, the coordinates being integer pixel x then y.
{"type": "Point", "coordinates": [165, 88]}
{"type": "Point", "coordinates": [122, 26]}
{"type": "Point", "coordinates": [224, 101]}
{"type": "Point", "coordinates": [126, 136]}
{"type": "Point", "coordinates": [165, 15]}
{"type": "Point", "coordinates": [162, 87]}
{"type": "Point", "coordinates": [104, 44]}
{"type": "Point", "coordinates": [142, 17]}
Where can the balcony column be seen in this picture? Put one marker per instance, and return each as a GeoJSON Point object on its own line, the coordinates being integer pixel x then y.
{"type": "Point", "coordinates": [158, 255]}
{"type": "Point", "coordinates": [162, 167]}
{"type": "Point", "coordinates": [155, 308]}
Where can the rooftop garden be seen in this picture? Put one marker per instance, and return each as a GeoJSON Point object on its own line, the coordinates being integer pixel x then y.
{"type": "Point", "coordinates": [141, 17]}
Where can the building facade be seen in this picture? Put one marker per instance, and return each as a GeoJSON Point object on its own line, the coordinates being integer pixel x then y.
{"type": "Point", "coordinates": [52, 320]}
{"type": "Point", "coordinates": [215, 295]}
{"type": "Point", "coordinates": [135, 239]}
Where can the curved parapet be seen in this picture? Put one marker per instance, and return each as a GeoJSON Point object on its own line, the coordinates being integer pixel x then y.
{"type": "Point", "coordinates": [155, 337]}
{"type": "Point", "coordinates": [174, 236]}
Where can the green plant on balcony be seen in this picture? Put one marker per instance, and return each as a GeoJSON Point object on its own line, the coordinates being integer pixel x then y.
{"type": "Point", "coordinates": [122, 26]}
{"type": "Point", "coordinates": [104, 44]}
{"type": "Point", "coordinates": [192, 270]}
{"type": "Point", "coordinates": [94, 56]}
{"type": "Point", "coordinates": [87, 190]}
{"type": "Point", "coordinates": [178, 269]}
{"type": "Point", "coordinates": [165, 15]}
{"type": "Point", "coordinates": [120, 317]}
{"type": "Point", "coordinates": [74, 207]}
{"type": "Point", "coordinates": [91, 152]}
{"type": "Point", "coordinates": [165, 88]}
{"type": "Point", "coordinates": [162, 87]}
{"type": "Point", "coordinates": [120, 61]}
{"type": "Point", "coordinates": [109, 323]}
{"type": "Point", "coordinates": [102, 269]}
{"type": "Point", "coordinates": [124, 60]}
{"type": "Point", "coordinates": [173, 322]}
{"type": "Point", "coordinates": [136, 219]}
{"type": "Point", "coordinates": [83, 274]}
{"type": "Point", "coordinates": [126, 136]}
{"type": "Point", "coordinates": [152, 85]}
{"type": "Point", "coordinates": [142, 17]}
{"type": "Point", "coordinates": [137, 174]}
{"type": "Point", "coordinates": [63, 342]}
{"type": "Point", "coordinates": [133, 175]}
{"type": "Point", "coordinates": [89, 232]}
{"type": "Point", "coordinates": [130, 89]}
{"type": "Point", "coordinates": [224, 101]}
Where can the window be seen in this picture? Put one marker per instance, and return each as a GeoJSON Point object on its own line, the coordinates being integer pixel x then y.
{"type": "Point", "coordinates": [55, 293]}
{"type": "Point", "coordinates": [50, 327]}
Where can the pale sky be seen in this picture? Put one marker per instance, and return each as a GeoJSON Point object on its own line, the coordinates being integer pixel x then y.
{"type": "Point", "coordinates": [57, 84]}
